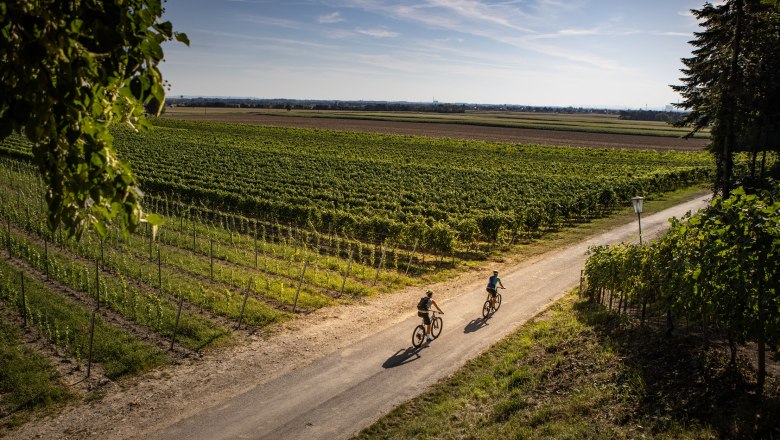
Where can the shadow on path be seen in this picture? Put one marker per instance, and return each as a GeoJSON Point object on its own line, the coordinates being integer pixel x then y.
{"type": "Point", "coordinates": [476, 324]}
{"type": "Point", "coordinates": [402, 357]}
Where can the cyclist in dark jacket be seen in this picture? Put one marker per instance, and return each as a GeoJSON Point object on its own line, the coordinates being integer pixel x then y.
{"type": "Point", "coordinates": [424, 311]}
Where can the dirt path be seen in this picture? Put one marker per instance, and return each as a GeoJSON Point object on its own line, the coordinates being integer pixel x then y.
{"type": "Point", "coordinates": [321, 376]}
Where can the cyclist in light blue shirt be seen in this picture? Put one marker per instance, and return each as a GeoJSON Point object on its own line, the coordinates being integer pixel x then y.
{"type": "Point", "coordinates": [492, 288]}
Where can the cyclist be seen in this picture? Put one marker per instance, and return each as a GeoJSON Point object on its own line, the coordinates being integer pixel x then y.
{"type": "Point", "coordinates": [424, 311]}
{"type": "Point", "coordinates": [492, 287]}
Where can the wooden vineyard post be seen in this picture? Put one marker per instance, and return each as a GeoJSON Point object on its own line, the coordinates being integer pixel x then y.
{"type": "Point", "coordinates": [300, 282]}
{"type": "Point", "coordinates": [46, 254]}
{"type": "Point", "coordinates": [379, 267]}
{"type": "Point", "coordinates": [346, 273]}
{"type": "Point", "coordinates": [91, 340]}
{"type": "Point", "coordinates": [151, 256]}
{"type": "Point", "coordinates": [414, 249]}
{"type": "Point", "coordinates": [243, 305]}
{"type": "Point", "coordinates": [24, 301]}
{"type": "Point", "coordinates": [176, 323]}
{"type": "Point", "coordinates": [580, 291]}
{"type": "Point", "coordinates": [97, 283]}
{"type": "Point", "coordinates": [102, 260]}
{"type": "Point", "coordinates": [211, 257]}
{"type": "Point", "coordinates": [159, 270]}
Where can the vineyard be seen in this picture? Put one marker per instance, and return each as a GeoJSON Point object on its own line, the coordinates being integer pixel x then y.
{"type": "Point", "coordinates": [718, 270]}
{"type": "Point", "coordinates": [265, 223]}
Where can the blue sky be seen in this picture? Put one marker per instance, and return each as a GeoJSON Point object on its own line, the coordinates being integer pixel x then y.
{"type": "Point", "coordinates": [608, 53]}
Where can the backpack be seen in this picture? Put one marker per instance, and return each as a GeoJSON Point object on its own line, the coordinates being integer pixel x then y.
{"type": "Point", "coordinates": [424, 304]}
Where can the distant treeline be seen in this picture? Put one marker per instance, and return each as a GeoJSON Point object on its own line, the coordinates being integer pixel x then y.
{"type": "Point", "coordinates": [378, 106]}
{"type": "Point", "coordinates": [650, 115]}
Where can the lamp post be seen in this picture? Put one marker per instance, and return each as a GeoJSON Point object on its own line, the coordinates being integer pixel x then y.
{"type": "Point", "coordinates": [637, 202]}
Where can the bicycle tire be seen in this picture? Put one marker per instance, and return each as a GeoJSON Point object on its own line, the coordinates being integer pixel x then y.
{"type": "Point", "coordinates": [418, 336]}
{"type": "Point", "coordinates": [436, 326]}
{"type": "Point", "coordinates": [498, 302]}
{"type": "Point", "coordinates": [486, 309]}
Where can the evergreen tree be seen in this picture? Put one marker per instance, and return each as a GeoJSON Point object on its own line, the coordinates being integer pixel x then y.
{"type": "Point", "coordinates": [731, 81]}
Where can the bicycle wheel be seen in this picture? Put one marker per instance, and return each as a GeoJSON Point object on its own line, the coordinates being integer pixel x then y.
{"type": "Point", "coordinates": [436, 326]}
{"type": "Point", "coordinates": [418, 336]}
{"type": "Point", "coordinates": [498, 302]}
{"type": "Point", "coordinates": [486, 309]}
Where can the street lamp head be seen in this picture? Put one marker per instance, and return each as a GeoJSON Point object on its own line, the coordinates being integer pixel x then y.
{"type": "Point", "coordinates": [637, 202]}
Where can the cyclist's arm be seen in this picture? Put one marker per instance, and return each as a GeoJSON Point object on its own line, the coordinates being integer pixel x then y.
{"type": "Point", "coordinates": [501, 284]}
{"type": "Point", "coordinates": [437, 306]}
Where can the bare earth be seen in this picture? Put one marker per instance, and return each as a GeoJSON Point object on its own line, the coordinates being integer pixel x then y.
{"type": "Point", "coordinates": [458, 131]}
{"type": "Point", "coordinates": [146, 405]}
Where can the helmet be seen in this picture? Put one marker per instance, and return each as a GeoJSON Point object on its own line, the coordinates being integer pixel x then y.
{"type": "Point", "coordinates": [495, 272]}
{"type": "Point", "coordinates": [429, 292]}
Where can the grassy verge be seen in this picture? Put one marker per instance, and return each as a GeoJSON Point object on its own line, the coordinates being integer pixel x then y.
{"type": "Point", "coordinates": [28, 381]}
{"type": "Point", "coordinates": [578, 372]}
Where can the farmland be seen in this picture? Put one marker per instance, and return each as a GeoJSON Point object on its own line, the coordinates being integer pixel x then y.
{"type": "Point", "coordinates": [596, 130]}
{"type": "Point", "coordinates": [266, 223]}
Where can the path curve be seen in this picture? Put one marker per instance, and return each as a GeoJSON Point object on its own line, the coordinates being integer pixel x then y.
{"type": "Point", "coordinates": [340, 394]}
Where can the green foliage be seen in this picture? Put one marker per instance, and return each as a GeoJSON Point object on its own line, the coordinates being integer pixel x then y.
{"type": "Point", "coordinates": [721, 267]}
{"type": "Point", "coordinates": [69, 71]}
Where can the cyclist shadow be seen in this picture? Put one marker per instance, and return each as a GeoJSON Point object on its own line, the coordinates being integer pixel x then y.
{"type": "Point", "coordinates": [403, 357]}
{"type": "Point", "coordinates": [476, 324]}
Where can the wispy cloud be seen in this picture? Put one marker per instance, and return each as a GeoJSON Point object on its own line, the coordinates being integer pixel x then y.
{"type": "Point", "coordinates": [575, 32]}
{"type": "Point", "coordinates": [278, 22]}
{"type": "Point", "coordinates": [338, 33]}
{"type": "Point", "coordinates": [330, 18]}
{"type": "Point", "coordinates": [377, 32]}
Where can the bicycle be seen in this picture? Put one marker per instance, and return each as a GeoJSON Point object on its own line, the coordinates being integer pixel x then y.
{"type": "Point", "coordinates": [488, 308]}
{"type": "Point", "coordinates": [418, 335]}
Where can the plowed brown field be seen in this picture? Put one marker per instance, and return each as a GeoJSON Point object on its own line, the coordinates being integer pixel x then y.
{"type": "Point", "coordinates": [458, 131]}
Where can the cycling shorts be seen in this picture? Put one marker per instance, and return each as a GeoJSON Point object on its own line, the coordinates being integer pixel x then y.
{"type": "Point", "coordinates": [425, 316]}
{"type": "Point", "coordinates": [492, 291]}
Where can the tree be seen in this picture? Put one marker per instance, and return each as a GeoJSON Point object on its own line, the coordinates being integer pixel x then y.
{"type": "Point", "coordinates": [731, 82]}
{"type": "Point", "coordinates": [70, 70]}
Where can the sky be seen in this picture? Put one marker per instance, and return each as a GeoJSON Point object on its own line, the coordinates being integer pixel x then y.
{"type": "Point", "coordinates": [581, 53]}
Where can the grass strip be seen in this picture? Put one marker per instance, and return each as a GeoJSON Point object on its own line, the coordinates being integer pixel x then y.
{"type": "Point", "coordinates": [28, 381]}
